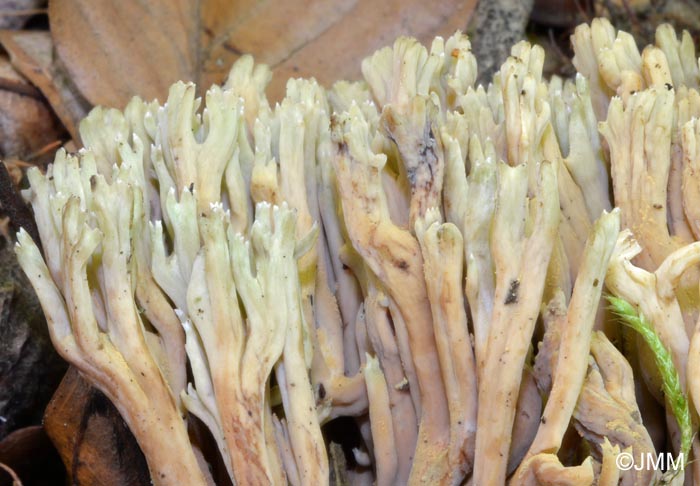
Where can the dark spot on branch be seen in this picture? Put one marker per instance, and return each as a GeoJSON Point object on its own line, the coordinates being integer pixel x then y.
{"type": "Point", "coordinates": [512, 297]}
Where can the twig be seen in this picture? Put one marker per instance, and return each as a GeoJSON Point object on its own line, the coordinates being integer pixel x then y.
{"type": "Point", "coordinates": [21, 89]}
{"type": "Point", "coordinates": [564, 60]}
{"type": "Point", "coordinates": [49, 147]}
{"type": "Point", "coordinates": [15, 479]}
{"type": "Point", "coordinates": [587, 10]}
{"type": "Point", "coordinates": [23, 13]}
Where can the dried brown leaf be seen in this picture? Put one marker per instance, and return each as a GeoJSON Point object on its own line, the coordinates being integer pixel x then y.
{"type": "Point", "coordinates": [26, 121]}
{"type": "Point", "coordinates": [28, 457]}
{"type": "Point", "coordinates": [31, 53]}
{"type": "Point", "coordinates": [114, 50]}
{"type": "Point", "coordinates": [91, 437]}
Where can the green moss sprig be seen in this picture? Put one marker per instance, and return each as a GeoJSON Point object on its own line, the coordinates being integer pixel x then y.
{"type": "Point", "coordinates": [672, 389]}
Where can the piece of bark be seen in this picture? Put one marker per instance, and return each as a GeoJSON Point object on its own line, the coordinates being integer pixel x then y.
{"type": "Point", "coordinates": [30, 369]}
{"type": "Point", "coordinates": [338, 465]}
{"type": "Point", "coordinates": [30, 454]}
{"type": "Point", "coordinates": [20, 216]}
{"type": "Point", "coordinates": [641, 17]}
{"type": "Point", "coordinates": [92, 439]}
{"type": "Point", "coordinates": [26, 121]}
{"type": "Point", "coordinates": [494, 28]}
{"type": "Point", "coordinates": [31, 53]}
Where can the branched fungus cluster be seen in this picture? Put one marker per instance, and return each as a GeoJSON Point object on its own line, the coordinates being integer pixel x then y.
{"type": "Point", "coordinates": [413, 251]}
